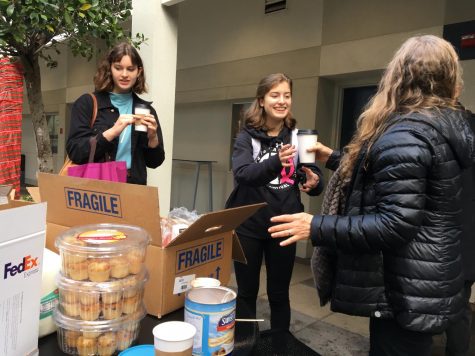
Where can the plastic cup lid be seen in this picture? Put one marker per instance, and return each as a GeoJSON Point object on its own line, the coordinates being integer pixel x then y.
{"type": "Point", "coordinates": [102, 239]}
{"type": "Point", "coordinates": [307, 132]}
{"type": "Point", "coordinates": [141, 350]}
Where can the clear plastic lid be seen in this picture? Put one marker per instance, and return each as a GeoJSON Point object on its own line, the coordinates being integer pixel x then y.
{"type": "Point", "coordinates": [134, 281]}
{"type": "Point", "coordinates": [102, 239]}
{"type": "Point", "coordinates": [65, 322]}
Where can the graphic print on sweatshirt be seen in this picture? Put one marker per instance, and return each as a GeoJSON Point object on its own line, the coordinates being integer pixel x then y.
{"type": "Point", "coordinates": [287, 176]}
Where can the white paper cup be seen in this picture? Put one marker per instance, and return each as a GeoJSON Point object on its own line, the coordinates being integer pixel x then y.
{"type": "Point", "coordinates": [173, 338]}
{"type": "Point", "coordinates": [140, 109]}
{"type": "Point", "coordinates": [306, 139]}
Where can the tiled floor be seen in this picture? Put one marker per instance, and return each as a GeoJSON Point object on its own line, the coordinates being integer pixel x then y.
{"type": "Point", "coordinates": [326, 332]}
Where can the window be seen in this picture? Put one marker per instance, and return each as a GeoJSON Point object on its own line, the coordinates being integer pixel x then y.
{"type": "Point", "coordinates": [53, 123]}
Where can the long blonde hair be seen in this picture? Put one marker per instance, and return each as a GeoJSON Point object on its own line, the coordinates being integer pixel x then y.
{"type": "Point", "coordinates": [423, 75]}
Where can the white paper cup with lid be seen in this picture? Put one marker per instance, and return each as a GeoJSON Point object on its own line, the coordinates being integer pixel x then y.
{"type": "Point", "coordinates": [306, 138]}
{"type": "Point", "coordinates": [173, 338]}
{"type": "Point", "coordinates": [140, 110]}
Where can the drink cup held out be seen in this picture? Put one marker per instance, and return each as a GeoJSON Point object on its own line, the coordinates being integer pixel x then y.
{"type": "Point", "coordinates": [306, 139]}
{"type": "Point", "coordinates": [140, 110]}
{"type": "Point", "coordinates": [173, 338]}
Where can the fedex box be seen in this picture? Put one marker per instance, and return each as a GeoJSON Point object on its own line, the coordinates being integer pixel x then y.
{"type": "Point", "coordinates": [205, 248]}
{"type": "Point", "coordinates": [21, 259]}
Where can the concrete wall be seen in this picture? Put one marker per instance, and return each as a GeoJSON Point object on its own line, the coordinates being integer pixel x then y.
{"type": "Point", "coordinates": [226, 46]}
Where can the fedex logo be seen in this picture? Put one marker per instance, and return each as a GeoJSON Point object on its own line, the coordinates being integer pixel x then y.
{"type": "Point", "coordinates": [28, 264]}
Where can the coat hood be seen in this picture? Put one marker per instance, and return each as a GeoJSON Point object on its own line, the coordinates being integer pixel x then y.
{"type": "Point", "coordinates": [261, 135]}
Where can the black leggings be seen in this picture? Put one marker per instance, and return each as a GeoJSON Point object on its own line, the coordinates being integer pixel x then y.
{"type": "Point", "coordinates": [279, 265]}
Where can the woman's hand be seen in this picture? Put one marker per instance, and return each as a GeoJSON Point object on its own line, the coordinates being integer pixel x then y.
{"type": "Point", "coordinates": [322, 152]}
{"type": "Point", "coordinates": [120, 124]}
{"type": "Point", "coordinates": [286, 155]}
{"type": "Point", "coordinates": [294, 226]}
{"type": "Point", "coordinates": [152, 125]}
{"type": "Point", "coordinates": [311, 182]}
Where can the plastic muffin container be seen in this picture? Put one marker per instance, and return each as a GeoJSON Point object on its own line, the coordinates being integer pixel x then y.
{"type": "Point", "coordinates": [102, 252]}
{"type": "Point", "coordinates": [102, 337]}
{"type": "Point", "coordinates": [101, 301]}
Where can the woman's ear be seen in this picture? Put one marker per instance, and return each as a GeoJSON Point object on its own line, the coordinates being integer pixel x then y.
{"type": "Point", "coordinates": [261, 103]}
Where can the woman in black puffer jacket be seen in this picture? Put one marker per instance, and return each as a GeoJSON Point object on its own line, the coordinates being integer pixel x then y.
{"type": "Point", "coordinates": [389, 238]}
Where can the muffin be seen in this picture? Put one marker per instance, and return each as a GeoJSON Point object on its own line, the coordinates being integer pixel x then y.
{"type": "Point", "coordinates": [70, 256]}
{"type": "Point", "coordinates": [130, 287]}
{"type": "Point", "coordinates": [136, 259]}
{"type": "Point", "coordinates": [88, 298]}
{"type": "Point", "coordinates": [119, 267]}
{"type": "Point", "coordinates": [99, 270]}
{"type": "Point", "coordinates": [78, 271]}
{"type": "Point", "coordinates": [124, 339]}
{"type": "Point", "coordinates": [106, 344]}
{"type": "Point", "coordinates": [70, 337]}
{"type": "Point", "coordinates": [71, 309]}
{"type": "Point", "coordinates": [111, 297]}
{"type": "Point", "coordinates": [68, 296]}
{"type": "Point", "coordinates": [112, 310]}
{"type": "Point", "coordinates": [130, 305]}
{"type": "Point", "coordinates": [86, 346]}
{"type": "Point", "coordinates": [90, 312]}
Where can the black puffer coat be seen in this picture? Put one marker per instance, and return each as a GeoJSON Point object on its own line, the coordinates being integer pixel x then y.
{"type": "Point", "coordinates": [398, 242]}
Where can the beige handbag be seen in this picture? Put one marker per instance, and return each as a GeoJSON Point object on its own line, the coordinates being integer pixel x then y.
{"type": "Point", "coordinates": [67, 162]}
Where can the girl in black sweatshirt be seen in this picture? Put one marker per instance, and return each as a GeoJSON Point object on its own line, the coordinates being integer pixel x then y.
{"type": "Point", "coordinates": [266, 169]}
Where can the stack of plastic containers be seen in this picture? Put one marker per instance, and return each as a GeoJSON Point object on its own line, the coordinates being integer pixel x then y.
{"type": "Point", "coordinates": [100, 288]}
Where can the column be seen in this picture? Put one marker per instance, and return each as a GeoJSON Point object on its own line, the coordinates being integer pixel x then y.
{"type": "Point", "coordinates": [158, 23]}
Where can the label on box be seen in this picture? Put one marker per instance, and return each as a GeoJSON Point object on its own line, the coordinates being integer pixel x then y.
{"type": "Point", "coordinates": [183, 283]}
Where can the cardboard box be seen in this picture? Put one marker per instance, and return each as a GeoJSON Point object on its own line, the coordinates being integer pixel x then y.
{"type": "Point", "coordinates": [21, 261]}
{"type": "Point", "coordinates": [205, 248]}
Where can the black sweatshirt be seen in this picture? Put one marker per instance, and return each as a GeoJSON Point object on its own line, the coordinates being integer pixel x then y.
{"type": "Point", "coordinates": [263, 179]}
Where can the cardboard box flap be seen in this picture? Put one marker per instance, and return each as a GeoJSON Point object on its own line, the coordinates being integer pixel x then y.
{"type": "Point", "coordinates": [216, 222]}
{"type": "Point", "coordinates": [34, 193]}
{"type": "Point", "coordinates": [238, 252]}
{"type": "Point", "coordinates": [78, 201]}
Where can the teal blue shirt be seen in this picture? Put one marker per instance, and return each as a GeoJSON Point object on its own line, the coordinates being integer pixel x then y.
{"type": "Point", "coordinates": [123, 102]}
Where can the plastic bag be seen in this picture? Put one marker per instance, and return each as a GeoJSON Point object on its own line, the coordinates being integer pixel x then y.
{"type": "Point", "coordinates": [176, 222]}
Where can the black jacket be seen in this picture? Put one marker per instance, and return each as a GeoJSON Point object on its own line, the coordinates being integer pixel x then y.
{"type": "Point", "coordinates": [398, 243]}
{"type": "Point", "coordinates": [262, 179]}
{"type": "Point", "coordinates": [468, 211]}
{"type": "Point", "coordinates": [80, 132]}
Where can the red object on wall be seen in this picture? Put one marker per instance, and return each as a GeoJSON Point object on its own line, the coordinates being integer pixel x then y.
{"type": "Point", "coordinates": [467, 40]}
{"type": "Point", "coordinates": [11, 105]}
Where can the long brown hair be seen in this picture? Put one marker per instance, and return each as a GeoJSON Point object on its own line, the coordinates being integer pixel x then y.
{"type": "Point", "coordinates": [424, 75]}
{"type": "Point", "coordinates": [103, 77]}
{"type": "Point", "coordinates": [255, 115]}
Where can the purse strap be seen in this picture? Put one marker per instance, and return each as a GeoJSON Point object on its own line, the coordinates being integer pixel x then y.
{"type": "Point", "coordinates": [93, 139]}
{"type": "Point", "coordinates": [94, 110]}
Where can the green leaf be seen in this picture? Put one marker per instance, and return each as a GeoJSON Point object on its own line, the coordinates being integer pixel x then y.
{"type": "Point", "coordinates": [50, 28]}
{"type": "Point", "coordinates": [81, 14]}
{"type": "Point", "coordinates": [10, 9]}
{"type": "Point", "coordinates": [67, 18]}
{"type": "Point", "coordinates": [85, 7]}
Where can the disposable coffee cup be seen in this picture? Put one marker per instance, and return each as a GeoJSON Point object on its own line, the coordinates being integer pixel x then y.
{"type": "Point", "coordinates": [306, 139]}
{"type": "Point", "coordinates": [173, 338]}
{"type": "Point", "coordinates": [140, 109]}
